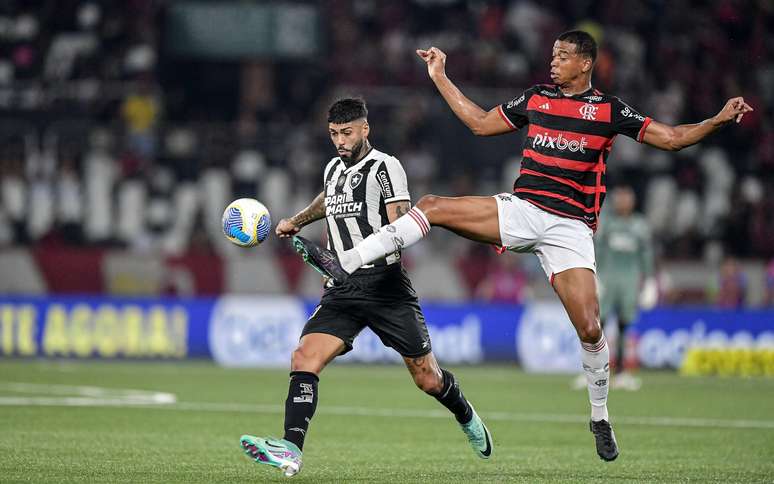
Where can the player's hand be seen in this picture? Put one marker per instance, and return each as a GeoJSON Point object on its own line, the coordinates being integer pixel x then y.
{"type": "Point", "coordinates": [435, 59]}
{"type": "Point", "coordinates": [286, 228]}
{"type": "Point", "coordinates": [734, 109]}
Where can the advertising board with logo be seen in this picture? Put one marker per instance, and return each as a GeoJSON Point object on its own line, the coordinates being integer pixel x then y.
{"type": "Point", "coordinates": [255, 331]}
{"type": "Point", "coordinates": [664, 335]}
{"type": "Point", "coordinates": [262, 331]}
{"type": "Point", "coordinates": [94, 327]}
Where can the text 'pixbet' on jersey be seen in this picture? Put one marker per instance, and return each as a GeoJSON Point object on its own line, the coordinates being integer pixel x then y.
{"type": "Point", "coordinates": [339, 205]}
{"type": "Point", "coordinates": [559, 142]}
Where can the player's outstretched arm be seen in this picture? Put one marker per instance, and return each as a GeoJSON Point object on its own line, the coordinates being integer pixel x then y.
{"type": "Point", "coordinates": [674, 138]}
{"type": "Point", "coordinates": [480, 122]}
{"type": "Point", "coordinates": [288, 227]}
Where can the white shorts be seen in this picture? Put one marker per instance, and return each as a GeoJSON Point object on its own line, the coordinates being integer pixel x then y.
{"type": "Point", "coordinates": [560, 243]}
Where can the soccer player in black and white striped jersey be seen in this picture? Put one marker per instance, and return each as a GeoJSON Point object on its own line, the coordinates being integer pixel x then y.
{"type": "Point", "coordinates": [364, 190]}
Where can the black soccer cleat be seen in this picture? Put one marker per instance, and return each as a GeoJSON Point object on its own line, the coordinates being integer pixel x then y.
{"type": "Point", "coordinates": [607, 447]}
{"type": "Point", "coordinates": [322, 260]}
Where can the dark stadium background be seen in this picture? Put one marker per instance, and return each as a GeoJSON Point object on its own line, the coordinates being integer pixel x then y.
{"type": "Point", "coordinates": [126, 127]}
{"type": "Point", "coordinates": [120, 87]}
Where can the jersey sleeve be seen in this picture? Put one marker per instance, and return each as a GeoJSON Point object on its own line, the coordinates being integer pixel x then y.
{"type": "Point", "coordinates": [627, 121]}
{"type": "Point", "coordinates": [514, 112]}
{"type": "Point", "coordinates": [392, 180]}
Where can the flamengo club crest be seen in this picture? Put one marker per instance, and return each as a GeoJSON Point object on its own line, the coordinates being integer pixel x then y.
{"type": "Point", "coordinates": [588, 111]}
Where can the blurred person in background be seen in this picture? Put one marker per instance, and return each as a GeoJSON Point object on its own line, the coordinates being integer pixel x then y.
{"type": "Point", "coordinates": [364, 190]}
{"type": "Point", "coordinates": [506, 282]}
{"type": "Point", "coordinates": [140, 113]}
{"type": "Point", "coordinates": [731, 286]}
{"type": "Point", "coordinates": [770, 284]}
{"type": "Point", "coordinates": [556, 199]}
{"type": "Point", "coordinates": [624, 251]}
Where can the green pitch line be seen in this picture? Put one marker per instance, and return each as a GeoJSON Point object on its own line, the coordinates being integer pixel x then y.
{"type": "Point", "coordinates": [166, 401]}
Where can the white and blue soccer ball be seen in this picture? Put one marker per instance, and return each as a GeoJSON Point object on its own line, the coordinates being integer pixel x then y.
{"type": "Point", "coordinates": [246, 222]}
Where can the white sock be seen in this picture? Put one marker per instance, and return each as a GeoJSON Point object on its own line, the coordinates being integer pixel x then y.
{"type": "Point", "coordinates": [596, 366]}
{"type": "Point", "coordinates": [403, 232]}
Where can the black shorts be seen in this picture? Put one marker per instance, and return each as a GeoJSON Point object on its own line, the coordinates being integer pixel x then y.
{"type": "Point", "coordinates": [380, 298]}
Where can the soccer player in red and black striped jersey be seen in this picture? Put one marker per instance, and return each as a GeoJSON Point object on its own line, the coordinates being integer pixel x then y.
{"type": "Point", "coordinates": [554, 208]}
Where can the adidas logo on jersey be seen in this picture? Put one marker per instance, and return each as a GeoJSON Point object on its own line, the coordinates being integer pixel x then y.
{"type": "Point", "coordinates": [545, 106]}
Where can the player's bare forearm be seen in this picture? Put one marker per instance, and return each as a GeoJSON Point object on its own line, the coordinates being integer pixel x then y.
{"type": "Point", "coordinates": [469, 112]}
{"type": "Point", "coordinates": [395, 210]}
{"type": "Point", "coordinates": [480, 122]}
{"type": "Point", "coordinates": [313, 212]}
{"type": "Point", "coordinates": [674, 138]}
{"type": "Point", "coordinates": [288, 227]}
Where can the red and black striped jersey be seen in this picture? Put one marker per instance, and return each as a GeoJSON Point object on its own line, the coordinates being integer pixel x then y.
{"type": "Point", "coordinates": [566, 148]}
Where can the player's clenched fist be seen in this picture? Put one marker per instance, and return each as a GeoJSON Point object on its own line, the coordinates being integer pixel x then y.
{"type": "Point", "coordinates": [733, 111]}
{"type": "Point", "coordinates": [435, 59]}
{"type": "Point", "coordinates": [286, 228]}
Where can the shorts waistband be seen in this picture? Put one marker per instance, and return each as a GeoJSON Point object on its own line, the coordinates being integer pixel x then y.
{"type": "Point", "coordinates": [367, 271]}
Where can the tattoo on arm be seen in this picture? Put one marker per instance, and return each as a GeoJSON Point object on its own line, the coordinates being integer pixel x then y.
{"type": "Point", "coordinates": [313, 211]}
{"type": "Point", "coordinates": [399, 209]}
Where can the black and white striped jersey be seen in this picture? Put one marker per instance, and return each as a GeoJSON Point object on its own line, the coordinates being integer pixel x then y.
{"type": "Point", "coordinates": [356, 198]}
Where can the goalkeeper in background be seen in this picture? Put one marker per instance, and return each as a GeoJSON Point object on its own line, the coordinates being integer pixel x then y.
{"type": "Point", "coordinates": [625, 267]}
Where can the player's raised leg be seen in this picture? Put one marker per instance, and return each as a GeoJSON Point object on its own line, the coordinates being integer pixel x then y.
{"type": "Point", "coordinates": [577, 289]}
{"type": "Point", "coordinates": [314, 352]}
{"type": "Point", "coordinates": [474, 218]}
{"type": "Point", "coordinates": [442, 385]}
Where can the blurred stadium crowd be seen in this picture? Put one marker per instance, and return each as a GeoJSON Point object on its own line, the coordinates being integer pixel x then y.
{"type": "Point", "coordinates": [111, 140]}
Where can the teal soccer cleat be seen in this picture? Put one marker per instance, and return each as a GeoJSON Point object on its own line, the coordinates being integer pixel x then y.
{"type": "Point", "coordinates": [279, 453]}
{"type": "Point", "coordinates": [478, 435]}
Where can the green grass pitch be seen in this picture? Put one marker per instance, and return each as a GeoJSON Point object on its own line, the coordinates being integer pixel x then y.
{"type": "Point", "coordinates": [372, 425]}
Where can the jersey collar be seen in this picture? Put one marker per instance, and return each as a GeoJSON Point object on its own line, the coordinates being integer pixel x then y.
{"type": "Point", "coordinates": [588, 92]}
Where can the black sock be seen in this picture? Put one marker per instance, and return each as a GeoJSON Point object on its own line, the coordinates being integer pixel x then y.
{"type": "Point", "coordinates": [452, 398]}
{"type": "Point", "coordinates": [300, 406]}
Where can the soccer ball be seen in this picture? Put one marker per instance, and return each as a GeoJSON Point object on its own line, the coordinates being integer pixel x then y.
{"type": "Point", "coordinates": [246, 222]}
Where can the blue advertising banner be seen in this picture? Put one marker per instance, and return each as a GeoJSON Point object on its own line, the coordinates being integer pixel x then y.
{"type": "Point", "coordinates": [252, 331]}
{"type": "Point", "coordinates": [459, 333]}
{"type": "Point", "coordinates": [85, 327]}
{"type": "Point", "coordinates": [263, 331]}
{"type": "Point", "coordinates": [234, 330]}
{"type": "Point", "coordinates": [664, 334]}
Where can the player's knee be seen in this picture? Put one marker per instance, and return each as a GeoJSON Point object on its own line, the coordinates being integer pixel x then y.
{"type": "Point", "coordinates": [590, 330]}
{"type": "Point", "coordinates": [303, 359]}
{"type": "Point", "coordinates": [430, 205]}
{"type": "Point", "coordinates": [429, 382]}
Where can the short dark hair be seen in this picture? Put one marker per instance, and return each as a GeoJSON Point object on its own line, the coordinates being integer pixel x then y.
{"type": "Point", "coordinates": [346, 110]}
{"type": "Point", "coordinates": [584, 43]}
